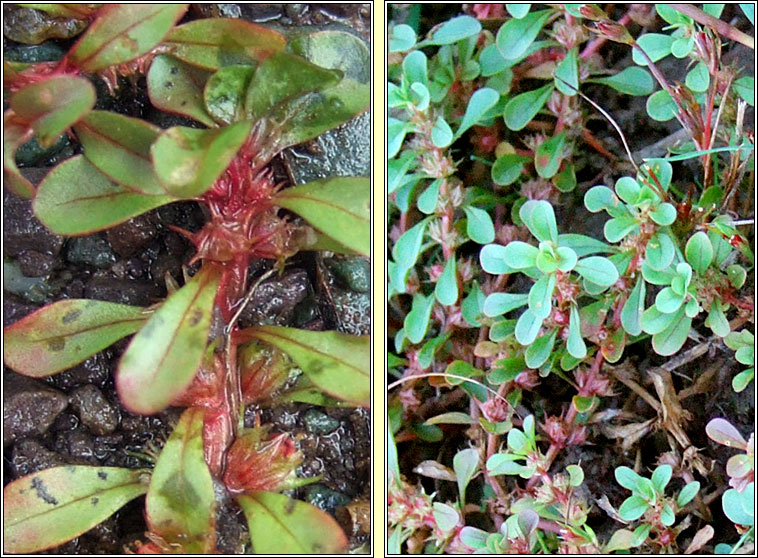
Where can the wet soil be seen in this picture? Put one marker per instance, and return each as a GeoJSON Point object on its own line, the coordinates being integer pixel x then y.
{"type": "Point", "coordinates": [75, 417]}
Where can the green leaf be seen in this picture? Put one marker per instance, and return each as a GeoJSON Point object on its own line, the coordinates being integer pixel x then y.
{"type": "Point", "coordinates": [682, 46]}
{"type": "Point", "coordinates": [164, 356]}
{"type": "Point", "coordinates": [627, 478]}
{"type": "Point", "coordinates": [698, 78]}
{"type": "Point", "coordinates": [737, 275]}
{"type": "Point", "coordinates": [620, 540]}
{"type": "Point", "coordinates": [417, 320]}
{"type": "Point", "coordinates": [744, 87]}
{"type": "Point", "coordinates": [664, 214]}
{"type": "Point", "coordinates": [539, 351]}
{"type": "Point", "coordinates": [465, 464]}
{"type": "Point", "coordinates": [661, 107]}
{"type": "Point", "coordinates": [76, 198]}
{"type": "Point", "coordinates": [188, 161]}
{"type": "Point", "coordinates": [518, 10]}
{"type": "Point", "coordinates": [659, 252]}
{"type": "Point", "coordinates": [565, 180]}
{"type": "Point", "coordinates": [714, 9]}
{"type": "Point", "coordinates": [575, 344]}
{"type": "Point", "coordinates": [631, 81]}
{"type": "Point", "coordinates": [446, 289]}
{"type": "Point", "coordinates": [406, 250]}
{"type": "Point", "coordinates": [119, 146]}
{"type": "Point", "coordinates": [633, 508]}
{"type": "Point", "coordinates": [282, 78]}
{"type": "Point", "coordinates": [671, 16]}
{"type": "Point", "coordinates": [597, 269]}
{"type": "Point", "coordinates": [311, 115]}
{"type": "Point", "coordinates": [492, 62]}
{"type": "Point", "coordinates": [402, 38]}
{"type": "Point", "coordinates": [335, 362]}
{"type": "Point", "coordinates": [541, 296]}
{"type": "Point", "coordinates": [661, 477]}
{"type": "Point", "coordinates": [52, 105]}
{"type": "Point", "coordinates": [516, 35]}
{"type": "Point", "coordinates": [631, 313]}
{"type": "Point", "coordinates": [628, 189]}
{"type": "Point", "coordinates": [180, 503]}
{"type": "Point", "coordinates": [471, 307]}
{"type": "Point", "coordinates": [547, 157]}
{"type": "Point", "coordinates": [280, 525]}
{"type": "Point", "coordinates": [687, 493]}
{"type": "Point", "coordinates": [520, 110]}
{"type": "Point", "coordinates": [339, 207]}
{"type": "Point", "coordinates": [507, 168]}
{"type": "Point", "coordinates": [53, 506]}
{"type": "Point", "coordinates": [66, 333]}
{"type": "Point", "coordinates": [427, 201]}
{"type": "Point", "coordinates": [699, 252]}
{"type": "Point", "coordinates": [415, 68]}
{"type": "Point", "coordinates": [576, 475]}
{"type": "Point", "coordinates": [617, 228]}
{"type": "Point", "coordinates": [668, 300]}
{"type": "Point", "coordinates": [743, 379]}
{"type": "Point", "coordinates": [396, 131]}
{"type": "Point", "coordinates": [463, 369]}
{"type": "Point", "coordinates": [749, 11]}
{"type": "Point", "coordinates": [123, 32]}
{"type": "Point", "coordinates": [456, 29]}
{"type": "Point", "coordinates": [567, 73]}
{"type": "Point", "coordinates": [667, 515]}
{"type": "Point", "coordinates": [516, 255]}
{"type": "Point", "coordinates": [479, 225]}
{"type": "Point", "coordinates": [493, 259]}
{"type": "Point", "coordinates": [598, 198]}
{"type": "Point", "coordinates": [539, 217]}
{"type": "Point", "coordinates": [716, 319]}
{"type": "Point", "coordinates": [738, 506]}
{"type": "Point", "coordinates": [442, 135]}
{"type": "Point", "coordinates": [527, 327]}
{"type": "Point", "coordinates": [446, 517]}
{"type": "Point", "coordinates": [224, 92]}
{"type": "Point", "coordinates": [640, 534]}
{"type": "Point", "coordinates": [453, 417]}
{"type": "Point", "coordinates": [175, 86]}
{"type": "Point", "coordinates": [497, 304]}
{"type": "Point", "coordinates": [655, 45]}
{"type": "Point", "coordinates": [214, 42]}
{"type": "Point", "coordinates": [15, 134]}
{"type": "Point", "coordinates": [481, 101]}
{"type": "Point", "coordinates": [671, 339]}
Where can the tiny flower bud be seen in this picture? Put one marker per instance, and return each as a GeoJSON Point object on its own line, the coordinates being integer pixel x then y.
{"type": "Point", "coordinates": [258, 462]}
{"type": "Point", "coordinates": [495, 410]}
{"type": "Point", "coordinates": [592, 12]}
{"type": "Point", "coordinates": [614, 32]}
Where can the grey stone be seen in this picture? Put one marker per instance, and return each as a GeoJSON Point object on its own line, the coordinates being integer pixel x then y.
{"type": "Point", "coordinates": [29, 456]}
{"type": "Point", "coordinates": [21, 229]}
{"type": "Point", "coordinates": [122, 291]}
{"type": "Point", "coordinates": [94, 250]}
{"type": "Point", "coordinates": [325, 498]}
{"type": "Point", "coordinates": [93, 408]}
{"type": "Point", "coordinates": [29, 406]}
{"type": "Point", "coordinates": [319, 423]}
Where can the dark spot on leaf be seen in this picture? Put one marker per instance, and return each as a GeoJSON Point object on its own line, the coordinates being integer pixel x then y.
{"type": "Point", "coordinates": [94, 501]}
{"type": "Point", "coordinates": [102, 475]}
{"type": "Point", "coordinates": [183, 103]}
{"type": "Point", "coordinates": [71, 316]}
{"type": "Point", "coordinates": [289, 507]}
{"type": "Point", "coordinates": [56, 344]}
{"type": "Point", "coordinates": [195, 317]}
{"type": "Point", "coordinates": [174, 70]}
{"type": "Point", "coordinates": [168, 84]}
{"type": "Point", "coordinates": [315, 367]}
{"type": "Point", "coordinates": [317, 549]}
{"type": "Point", "coordinates": [42, 492]}
{"type": "Point", "coordinates": [70, 469]}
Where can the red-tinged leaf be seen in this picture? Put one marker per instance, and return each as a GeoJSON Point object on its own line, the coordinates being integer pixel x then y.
{"type": "Point", "coordinates": [123, 32]}
{"type": "Point", "coordinates": [722, 432]}
{"type": "Point", "coordinates": [319, 242]}
{"type": "Point", "coordinates": [15, 134]}
{"type": "Point", "coordinates": [215, 42]}
{"type": "Point", "coordinates": [311, 115]}
{"type": "Point", "coordinates": [280, 525]}
{"type": "Point", "coordinates": [119, 147]}
{"type": "Point", "coordinates": [77, 11]}
{"type": "Point", "coordinates": [76, 199]}
{"type": "Point", "coordinates": [338, 207]}
{"type": "Point", "coordinates": [180, 503]}
{"type": "Point", "coordinates": [52, 105]}
{"type": "Point", "coordinates": [258, 461]}
{"type": "Point", "coordinates": [66, 333]}
{"type": "Point", "coordinates": [263, 371]}
{"type": "Point", "coordinates": [284, 77]}
{"type": "Point", "coordinates": [174, 86]}
{"type": "Point", "coordinates": [188, 161]}
{"type": "Point", "coordinates": [164, 356]}
{"type": "Point", "coordinates": [337, 363]}
{"type": "Point", "coordinates": [53, 506]}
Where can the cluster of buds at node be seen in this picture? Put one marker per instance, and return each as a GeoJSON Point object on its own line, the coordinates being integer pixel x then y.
{"type": "Point", "coordinates": [592, 382]}
{"type": "Point", "coordinates": [495, 409]}
{"type": "Point", "coordinates": [263, 371]}
{"type": "Point", "coordinates": [689, 113]}
{"type": "Point", "coordinates": [257, 461]}
{"type": "Point", "coordinates": [409, 507]}
{"type": "Point", "coordinates": [708, 50]}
